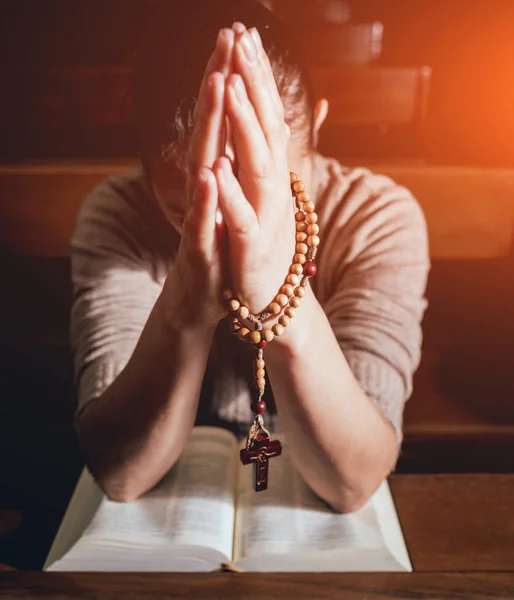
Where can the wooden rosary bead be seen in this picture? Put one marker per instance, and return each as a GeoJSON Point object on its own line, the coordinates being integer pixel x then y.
{"type": "Point", "coordinates": [289, 296]}
{"type": "Point", "coordinates": [290, 312]}
{"type": "Point", "coordinates": [267, 336]}
{"type": "Point", "coordinates": [303, 197]}
{"type": "Point", "coordinates": [274, 308]}
{"type": "Point", "coordinates": [310, 268]}
{"type": "Point", "coordinates": [243, 334]}
{"type": "Point", "coordinates": [258, 407]}
{"type": "Point", "coordinates": [243, 312]}
{"type": "Point", "coordinates": [284, 320]}
{"type": "Point", "coordinates": [294, 302]}
{"type": "Point", "coordinates": [298, 186]}
{"type": "Point", "coordinates": [278, 329]}
{"type": "Point", "coordinates": [281, 300]}
{"type": "Point", "coordinates": [287, 289]}
{"type": "Point", "coordinates": [313, 240]}
{"type": "Point", "coordinates": [255, 336]}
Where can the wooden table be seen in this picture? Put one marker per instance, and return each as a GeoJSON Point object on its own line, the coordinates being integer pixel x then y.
{"type": "Point", "coordinates": [459, 531]}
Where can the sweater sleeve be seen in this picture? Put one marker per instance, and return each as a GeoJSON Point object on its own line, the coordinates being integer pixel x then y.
{"type": "Point", "coordinates": [378, 264]}
{"type": "Point", "coordinates": [115, 289]}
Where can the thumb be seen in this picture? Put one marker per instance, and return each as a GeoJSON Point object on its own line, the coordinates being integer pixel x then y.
{"type": "Point", "coordinates": [238, 213]}
{"type": "Point", "coordinates": [200, 221]}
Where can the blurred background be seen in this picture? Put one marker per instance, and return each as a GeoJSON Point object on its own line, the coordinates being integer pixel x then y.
{"type": "Point", "coordinates": [420, 90]}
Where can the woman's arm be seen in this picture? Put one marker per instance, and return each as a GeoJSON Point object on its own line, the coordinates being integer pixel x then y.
{"type": "Point", "coordinates": [342, 372]}
{"type": "Point", "coordinates": [136, 430]}
{"type": "Point", "coordinates": [339, 441]}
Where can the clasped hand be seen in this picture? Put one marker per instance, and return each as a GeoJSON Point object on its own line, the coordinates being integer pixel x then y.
{"type": "Point", "coordinates": [251, 247]}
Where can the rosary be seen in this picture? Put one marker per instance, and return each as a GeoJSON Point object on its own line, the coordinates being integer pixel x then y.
{"type": "Point", "coordinates": [259, 447]}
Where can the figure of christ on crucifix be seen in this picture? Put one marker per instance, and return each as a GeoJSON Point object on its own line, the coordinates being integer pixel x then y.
{"type": "Point", "coordinates": [259, 454]}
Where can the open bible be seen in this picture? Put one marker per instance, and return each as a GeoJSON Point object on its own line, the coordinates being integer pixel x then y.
{"type": "Point", "coordinates": [205, 513]}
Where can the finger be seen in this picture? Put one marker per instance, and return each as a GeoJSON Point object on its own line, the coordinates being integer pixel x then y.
{"type": "Point", "coordinates": [238, 214]}
{"type": "Point", "coordinates": [238, 27]}
{"type": "Point", "coordinates": [263, 57]}
{"type": "Point", "coordinates": [221, 60]}
{"type": "Point", "coordinates": [259, 84]}
{"type": "Point", "coordinates": [254, 158]}
{"type": "Point", "coordinates": [206, 140]}
{"type": "Point", "coordinates": [200, 223]}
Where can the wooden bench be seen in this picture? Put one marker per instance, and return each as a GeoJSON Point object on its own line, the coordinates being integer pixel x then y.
{"type": "Point", "coordinates": [469, 211]}
{"type": "Point", "coordinates": [470, 215]}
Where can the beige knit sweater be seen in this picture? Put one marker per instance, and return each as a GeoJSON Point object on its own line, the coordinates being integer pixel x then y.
{"type": "Point", "coordinates": [372, 271]}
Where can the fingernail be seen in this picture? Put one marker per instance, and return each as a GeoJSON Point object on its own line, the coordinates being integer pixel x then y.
{"type": "Point", "coordinates": [239, 89]}
{"type": "Point", "coordinates": [249, 48]}
{"type": "Point", "coordinates": [256, 38]}
{"type": "Point", "coordinates": [238, 27]}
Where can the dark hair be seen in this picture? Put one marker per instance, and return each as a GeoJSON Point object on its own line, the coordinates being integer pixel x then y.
{"type": "Point", "coordinates": [178, 41]}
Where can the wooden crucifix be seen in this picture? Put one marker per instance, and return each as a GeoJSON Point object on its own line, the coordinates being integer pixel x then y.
{"type": "Point", "coordinates": [259, 454]}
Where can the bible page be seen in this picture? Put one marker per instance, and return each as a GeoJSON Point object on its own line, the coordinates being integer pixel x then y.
{"type": "Point", "coordinates": [190, 510]}
{"type": "Point", "coordinates": [83, 505]}
{"type": "Point", "coordinates": [289, 528]}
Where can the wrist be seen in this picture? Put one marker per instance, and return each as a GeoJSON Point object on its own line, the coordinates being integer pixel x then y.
{"type": "Point", "coordinates": [296, 337]}
{"type": "Point", "coordinates": [179, 315]}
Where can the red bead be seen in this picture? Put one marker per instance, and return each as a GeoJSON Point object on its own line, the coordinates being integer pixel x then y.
{"type": "Point", "coordinates": [309, 268]}
{"type": "Point", "coordinates": [258, 407]}
{"type": "Point", "coordinates": [262, 344]}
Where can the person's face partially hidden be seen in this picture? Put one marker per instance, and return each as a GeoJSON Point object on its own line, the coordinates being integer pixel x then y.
{"type": "Point", "coordinates": [173, 202]}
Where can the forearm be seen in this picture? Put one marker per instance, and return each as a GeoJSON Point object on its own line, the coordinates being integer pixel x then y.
{"type": "Point", "coordinates": [340, 443]}
{"type": "Point", "coordinates": [137, 429]}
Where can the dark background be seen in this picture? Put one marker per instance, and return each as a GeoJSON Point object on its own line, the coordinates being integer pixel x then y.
{"type": "Point", "coordinates": [469, 44]}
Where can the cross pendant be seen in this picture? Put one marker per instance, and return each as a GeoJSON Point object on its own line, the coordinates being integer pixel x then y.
{"type": "Point", "coordinates": [259, 454]}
